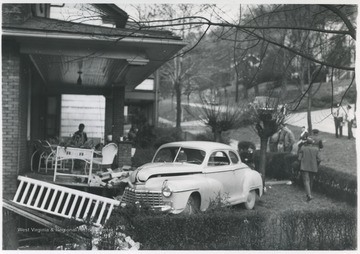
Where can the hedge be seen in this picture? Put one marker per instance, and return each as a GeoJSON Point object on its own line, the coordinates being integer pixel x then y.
{"type": "Point", "coordinates": [334, 184]}
{"type": "Point", "coordinates": [325, 229]}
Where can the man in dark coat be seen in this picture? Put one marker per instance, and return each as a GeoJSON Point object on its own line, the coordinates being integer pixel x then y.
{"type": "Point", "coordinates": [309, 159]}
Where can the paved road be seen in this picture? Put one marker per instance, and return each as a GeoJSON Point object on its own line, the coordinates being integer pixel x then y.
{"type": "Point", "coordinates": [321, 120]}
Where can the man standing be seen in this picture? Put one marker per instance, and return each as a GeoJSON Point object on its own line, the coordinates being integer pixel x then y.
{"type": "Point", "coordinates": [317, 140]}
{"type": "Point", "coordinates": [350, 116]}
{"type": "Point", "coordinates": [309, 161]}
{"type": "Point", "coordinates": [338, 120]}
{"type": "Point", "coordinates": [287, 138]}
{"type": "Point", "coordinates": [274, 141]}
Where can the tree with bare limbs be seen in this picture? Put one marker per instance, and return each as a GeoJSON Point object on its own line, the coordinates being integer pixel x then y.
{"type": "Point", "coordinates": [219, 117]}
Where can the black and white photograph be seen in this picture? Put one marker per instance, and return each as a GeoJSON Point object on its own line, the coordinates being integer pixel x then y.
{"type": "Point", "coordinates": [179, 126]}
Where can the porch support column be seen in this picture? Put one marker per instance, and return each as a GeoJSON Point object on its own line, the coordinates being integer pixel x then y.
{"type": "Point", "coordinates": [118, 112]}
{"type": "Point", "coordinates": [108, 116]}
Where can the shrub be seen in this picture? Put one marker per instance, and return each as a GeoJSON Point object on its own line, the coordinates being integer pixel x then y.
{"type": "Point", "coordinates": [205, 136]}
{"type": "Point", "coordinates": [325, 229]}
{"type": "Point", "coordinates": [278, 165]}
{"type": "Point", "coordinates": [142, 156]}
{"type": "Point", "coordinates": [150, 137]}
{"type": "Point", "coordinates": [209, 136]}
{"type": "Point", "coordinates": [166, 135]}
{"type": "Point", "coordinates": [338, 185]}
{"type": "Point", "coordinates": [205, 231]}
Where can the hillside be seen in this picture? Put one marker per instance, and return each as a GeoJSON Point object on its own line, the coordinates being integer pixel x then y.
{"type": "Point", "coordinates": [322, 98]}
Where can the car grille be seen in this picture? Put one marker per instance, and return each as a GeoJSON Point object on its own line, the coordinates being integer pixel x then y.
{"type": "Point", "coordinates": [150, 198]}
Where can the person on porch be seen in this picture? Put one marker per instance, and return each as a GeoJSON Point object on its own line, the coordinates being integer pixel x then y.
{"type": "Point", "coordinates": [79, 138]}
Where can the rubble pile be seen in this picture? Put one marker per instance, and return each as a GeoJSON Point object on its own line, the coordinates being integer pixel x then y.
{"type": "Point", "coordinates": [110, 177]}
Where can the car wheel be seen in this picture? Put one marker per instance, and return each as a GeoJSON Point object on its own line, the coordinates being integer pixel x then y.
{"type": "Point", "coordinates": [192, 206]}
{"type": "Point", "coordinates": [250, 201]}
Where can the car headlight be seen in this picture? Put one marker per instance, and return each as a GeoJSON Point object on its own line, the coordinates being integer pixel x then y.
{"type": "Point", "coordinates": [166, 191]}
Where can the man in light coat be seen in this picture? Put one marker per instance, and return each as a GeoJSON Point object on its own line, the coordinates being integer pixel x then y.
{"type": "Point", "coordinates": [338, 120]}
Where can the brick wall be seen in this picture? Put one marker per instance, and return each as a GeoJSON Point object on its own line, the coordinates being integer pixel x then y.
{"type": "Point", "coordinates": [14, 115]}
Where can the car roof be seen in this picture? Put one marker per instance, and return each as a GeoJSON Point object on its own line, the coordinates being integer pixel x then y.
{"type": "Point", "coordinates": [201, 145]}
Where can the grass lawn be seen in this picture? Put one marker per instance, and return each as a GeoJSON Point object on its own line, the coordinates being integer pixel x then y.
{"type": "Point", "coordinates": [281, 197]}
{"type": "Point", "coordinates": [339, 154]}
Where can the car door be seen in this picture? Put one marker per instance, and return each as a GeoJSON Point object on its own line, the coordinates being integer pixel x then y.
{"type": "Point", "coordinates": [239, 177]}
{"type": "Point", "coordinates": [220, 169]}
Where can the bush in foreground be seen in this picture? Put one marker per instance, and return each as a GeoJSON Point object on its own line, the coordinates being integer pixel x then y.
{"type": "Point", "coordinates": [229, 229]}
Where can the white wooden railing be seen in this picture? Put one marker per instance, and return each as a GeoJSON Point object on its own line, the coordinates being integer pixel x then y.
{"type": "Point", "coordinates": [64, 202]}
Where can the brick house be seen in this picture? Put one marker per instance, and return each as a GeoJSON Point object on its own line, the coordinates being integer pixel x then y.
{"type": "Point", "coordinates": [43, 58]}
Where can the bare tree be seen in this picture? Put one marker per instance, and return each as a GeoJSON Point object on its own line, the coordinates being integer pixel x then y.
{"type": "Point", "coordinates": [219, 117]}
{"type": "Point", "coordinates": [266, 118]}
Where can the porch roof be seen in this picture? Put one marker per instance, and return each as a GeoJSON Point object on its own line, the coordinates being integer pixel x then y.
{"type": "Point", "coordinates": [103, 57]}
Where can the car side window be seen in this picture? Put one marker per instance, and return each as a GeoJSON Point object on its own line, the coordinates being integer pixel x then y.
{"type": "Point", "coordinates": [234, 158]}
{"type": "Point", "coordinates": [218, 159]}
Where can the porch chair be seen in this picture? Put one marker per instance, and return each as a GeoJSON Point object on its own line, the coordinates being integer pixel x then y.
{"type": "Point", "coordinates": [46, 154]}
{"type": "Point", "coordinates": [108, 153]}
{"type": "Point", "coordinates": [38, 150]}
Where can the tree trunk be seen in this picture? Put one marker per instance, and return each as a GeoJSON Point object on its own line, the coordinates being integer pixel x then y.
{"type": "Point", "coordinates": [309, 95]}
{"type": "Point", "coordinates": [309, 111]}
{"type": "Point", "coordinates": [262, 166]}
{"type": "Point", "coordinates": [217, 135]}
{"type": "Point", "coordinates": [236, 87]}
{"type": "Point", "coordinates": [178, 104]}
{"type": "Point", "coordinates": [246, 94]}
{"type": "Point", "coordinates": [256, 90]}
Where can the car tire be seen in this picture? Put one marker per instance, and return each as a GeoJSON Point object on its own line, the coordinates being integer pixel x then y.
{"type": "Point", "coordinates": [250, 200]}
{"type": "Point", "coordinates": [192, 206]}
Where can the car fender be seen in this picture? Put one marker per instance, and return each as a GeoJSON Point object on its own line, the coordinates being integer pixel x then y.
{"type": "Point", "coordinates": [252, 181]}
{"type": "Point", "coordinates": [183, 188]}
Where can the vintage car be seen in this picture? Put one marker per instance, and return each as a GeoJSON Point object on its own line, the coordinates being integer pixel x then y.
{"type": "Point", "coordinates": [188, 176]}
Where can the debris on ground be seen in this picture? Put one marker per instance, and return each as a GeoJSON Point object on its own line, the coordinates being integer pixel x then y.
{"type": "Point", "coordinates": [110, 177]}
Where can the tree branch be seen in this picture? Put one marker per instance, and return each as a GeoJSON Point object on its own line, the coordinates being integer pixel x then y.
{"type": "Point", "coordinates": [352, 30]}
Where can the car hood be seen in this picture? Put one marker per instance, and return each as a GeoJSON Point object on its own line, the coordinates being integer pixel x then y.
{"type": "Point", "coordinates": [166, 169]}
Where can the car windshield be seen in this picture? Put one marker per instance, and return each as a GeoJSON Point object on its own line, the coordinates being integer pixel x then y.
{"type": "Point", "coordinates": [180, 154]}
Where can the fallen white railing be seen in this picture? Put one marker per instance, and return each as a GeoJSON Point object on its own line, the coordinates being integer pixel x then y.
{"type": "Point", "coordinates": [64, 202]}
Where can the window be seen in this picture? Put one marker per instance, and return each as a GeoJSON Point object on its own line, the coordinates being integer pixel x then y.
{"type": "Point", "coordinates": [185, 155]}
{"type": "Point", "coordinates": [234, 158]}
{"type": "Point", "coordinates": [218, 159]}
